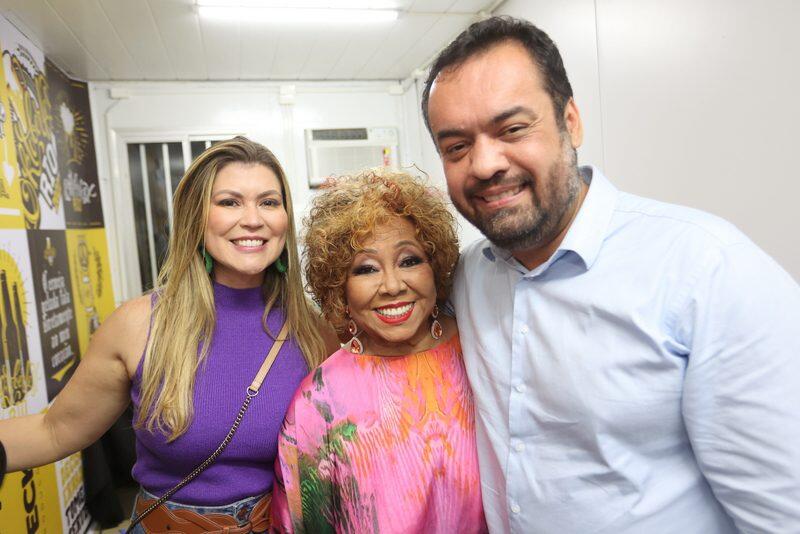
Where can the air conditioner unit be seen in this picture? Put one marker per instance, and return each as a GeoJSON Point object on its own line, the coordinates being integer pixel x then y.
{"type": "Point", "coordinates": [336, 151]}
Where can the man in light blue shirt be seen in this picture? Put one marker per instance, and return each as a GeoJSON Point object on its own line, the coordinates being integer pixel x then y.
{"type": "Point", "coordinates": [636, 365]}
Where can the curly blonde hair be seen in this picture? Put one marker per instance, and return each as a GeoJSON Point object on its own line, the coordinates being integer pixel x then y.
{"type": "Point", "coordinates": [345, 214]}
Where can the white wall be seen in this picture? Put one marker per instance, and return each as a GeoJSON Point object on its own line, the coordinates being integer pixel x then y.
{"type": "Point", "coordinates": [688, 102]}
{"type": "Point", "coordinates": [149, 111]}
{"type": "Point", "coordinates": [695, 103]}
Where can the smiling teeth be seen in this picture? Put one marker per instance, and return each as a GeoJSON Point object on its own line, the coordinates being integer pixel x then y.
{"type": "Point", "coordinates": [249, 242]}
{"type": "Point", "coordinates": [395, 312]}
{"type": "Point", "coordinates": [501, 196]}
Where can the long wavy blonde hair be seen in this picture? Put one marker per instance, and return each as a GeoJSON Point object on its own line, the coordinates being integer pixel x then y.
{"type": "Point", "coordinates": [183, 317]}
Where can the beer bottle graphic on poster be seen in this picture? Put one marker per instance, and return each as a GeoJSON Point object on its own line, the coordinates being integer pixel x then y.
{"type": "Point", "coordinates": [5, 387]}
{"type": "Point", "coordinates": [11, 341]}
{"type": "Point", "coordinates": [24, 356]}
{"type": "Point", "coordinates": [85, 291]}
{"type": "Point", "coordinates": [5, 369]}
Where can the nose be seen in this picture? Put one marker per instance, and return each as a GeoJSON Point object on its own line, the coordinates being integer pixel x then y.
{"type": "Point", "coordinates": [487, 158]}
{"type": "Point", "coordinates": [251, 217]}
{"type": "Point", "coordinates": [392, 282]}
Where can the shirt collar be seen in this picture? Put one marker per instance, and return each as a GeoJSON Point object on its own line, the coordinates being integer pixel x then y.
{"type": "Point", "coordinates": [588, 230]}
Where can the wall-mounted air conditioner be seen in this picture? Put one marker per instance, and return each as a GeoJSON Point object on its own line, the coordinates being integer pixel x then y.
{"type": "Point", "coordinates": [336, 151]}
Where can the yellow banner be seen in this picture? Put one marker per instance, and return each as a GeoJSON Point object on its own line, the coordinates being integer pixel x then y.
{"type": "Point", "coordinates": [93, 295]}
{"type": "Point", "coordinates": [29, 502]}
{"type": "Point", "coordinates": [10, 200]}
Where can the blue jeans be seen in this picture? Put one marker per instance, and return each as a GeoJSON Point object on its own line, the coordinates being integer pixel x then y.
{"type": "Point", "coordinates": [239, 509]}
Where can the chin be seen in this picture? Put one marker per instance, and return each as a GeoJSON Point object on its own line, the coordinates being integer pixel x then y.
{"type": "Point", "coordinates": [402, 337]}
{"type": "Point", "coordinates": [255, 271]}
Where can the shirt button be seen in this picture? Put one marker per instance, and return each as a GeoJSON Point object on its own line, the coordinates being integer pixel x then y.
{"type": "Point", "coordinates": [520, 388]}
{"type": "Point", "coordinates": [524, 329]}
{"type": "Point", "coordinates": [519, 446]}
{"type": "Point", "coordinates": [515, 508]}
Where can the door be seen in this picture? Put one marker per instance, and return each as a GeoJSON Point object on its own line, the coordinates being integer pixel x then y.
{"type": "Point", "coordinates": [155, 168]}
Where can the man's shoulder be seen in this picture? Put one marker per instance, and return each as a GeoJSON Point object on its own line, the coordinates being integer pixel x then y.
{"type": "Point", "coordinates": [679, 243]}
{"type": "Point", "coordinates": [651, 218]}
{"type": "Point", "coordinates": [475, 249]}
{"type": "Point", "coordinates": [474, 256]}
{"type": "Point", "coordinates": [473, 264]}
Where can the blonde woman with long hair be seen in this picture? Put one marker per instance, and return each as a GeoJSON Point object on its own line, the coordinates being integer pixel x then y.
{"type": "Point", "coordinates": [186, 354]}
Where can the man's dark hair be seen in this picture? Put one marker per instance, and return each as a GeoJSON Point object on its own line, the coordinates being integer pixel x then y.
{"type": "Point", "coordinates": [481, 36]}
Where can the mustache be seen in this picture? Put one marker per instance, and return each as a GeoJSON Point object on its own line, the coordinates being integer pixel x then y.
{"type": "Point", "coordinates": [504, 180]}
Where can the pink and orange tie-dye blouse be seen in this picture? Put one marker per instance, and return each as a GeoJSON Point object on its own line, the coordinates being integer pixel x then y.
{"type": "Point", "coordinates": [380, 445]}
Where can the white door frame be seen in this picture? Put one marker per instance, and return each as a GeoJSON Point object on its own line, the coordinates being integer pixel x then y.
{"type": "Point", "coordinates": [120, 226]}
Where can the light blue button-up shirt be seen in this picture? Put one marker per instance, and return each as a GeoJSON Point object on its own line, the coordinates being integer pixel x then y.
{"type": "Point", "coordinates": [645, 379]}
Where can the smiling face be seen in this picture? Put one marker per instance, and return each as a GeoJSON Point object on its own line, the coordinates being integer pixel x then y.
{"type": "Point", "coordinates": [390, 291]}
{"type": "Point", "coordinates": [511, 169]}
{"type": "Point", "coordinates": [247, 223]}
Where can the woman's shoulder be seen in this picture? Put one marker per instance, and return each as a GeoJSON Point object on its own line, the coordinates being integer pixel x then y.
{"type": "Point", "coordinates": [132, 316]}
{"type": "Point", "coordinates": [140, 306]}
{"type": "Point", "coordinates": [316, 383]}
{"type": "Point", "coordinates": [127, 329]}
{"type": "Point", "coordinates": [318, 397]}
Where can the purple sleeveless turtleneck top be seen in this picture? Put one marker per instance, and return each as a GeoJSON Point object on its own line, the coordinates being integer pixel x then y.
{"type": "Point", "coordinates": [245, 468]}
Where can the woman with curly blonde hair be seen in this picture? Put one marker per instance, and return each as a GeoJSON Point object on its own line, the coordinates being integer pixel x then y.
{"type": "Point", "coordinates": [381, 437]}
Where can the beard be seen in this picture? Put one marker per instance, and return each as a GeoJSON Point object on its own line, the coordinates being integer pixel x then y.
{"type": "Point", "coordinates": [537, 223]}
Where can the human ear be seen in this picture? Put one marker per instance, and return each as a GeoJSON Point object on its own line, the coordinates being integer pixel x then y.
{"type": "Point", "coordinates": [573, 123]}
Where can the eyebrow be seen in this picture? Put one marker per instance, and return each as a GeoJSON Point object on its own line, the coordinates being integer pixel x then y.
{"type": "Point", "coordinates": [266, 193]}
{"type": "Point", "coordinates": [399, 244]}
{"type": "Point", "coordinates": [500, 117]}
{"type": "Point", "coordinates": [516, 110]}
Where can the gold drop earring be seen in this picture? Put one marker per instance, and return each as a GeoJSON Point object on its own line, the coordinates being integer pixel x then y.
{"type": "Point", "coordinates": [436, 326]}
{"type": "Point", "coordinates": [354, 345]}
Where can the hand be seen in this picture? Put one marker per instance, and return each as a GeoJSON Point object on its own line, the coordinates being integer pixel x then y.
{"type": "Point", "coordinates": [2, 463]}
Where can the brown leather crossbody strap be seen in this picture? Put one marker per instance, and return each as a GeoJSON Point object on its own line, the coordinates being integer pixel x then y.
{"type": "Point", "coordinates": [269, 360]}
{"type": "Point", "coordinates": [252, 391]}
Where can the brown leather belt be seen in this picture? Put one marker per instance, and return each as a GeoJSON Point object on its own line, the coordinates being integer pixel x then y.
{"type": "Point", "coordinates": [185, 521]}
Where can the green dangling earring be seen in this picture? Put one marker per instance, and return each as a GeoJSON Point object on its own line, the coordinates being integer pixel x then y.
{"type": "Point", "coordinates": [280, 266]}
{"type": "Point", "coordinates": [208, 260]}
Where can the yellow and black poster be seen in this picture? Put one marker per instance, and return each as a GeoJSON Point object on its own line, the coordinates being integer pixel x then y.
{"type": "Point", "coordinates": [75, 518]}
{"type": "Point", "coordinates": [54, 302]}
{"type": "Point", "coordinates": [91, 281]}
{"type": "Point", "coordinates": [47, 499]}
{"type": "Point", "coordinates": [10, 195]}
{"type": "Point", "coordinates": [30, 121]}
{"type": "Point", "coordinates": [30, 503]}
{"type": "Point", "coordinates": [72, 126]}
{"type": "Point", "coordinates": [22, 384]}
{"type": "Point", "coordinates": [55, 280]}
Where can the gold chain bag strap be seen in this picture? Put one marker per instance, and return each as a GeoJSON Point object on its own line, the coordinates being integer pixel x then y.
{"type": "Point", "coordinates": [250, 392]}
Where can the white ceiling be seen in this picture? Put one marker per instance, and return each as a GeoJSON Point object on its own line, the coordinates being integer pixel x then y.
{"type": "Point", "coordinates": [167, 40]}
